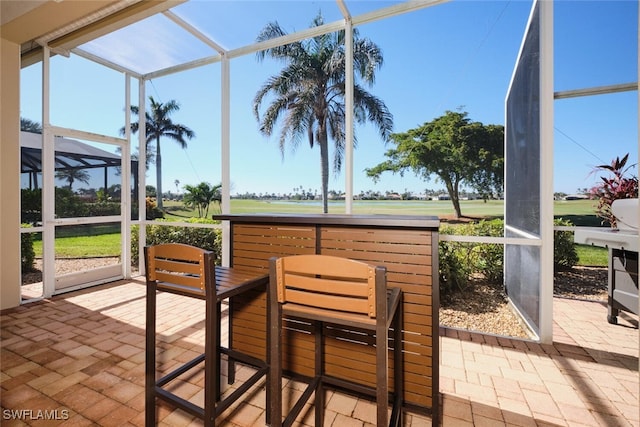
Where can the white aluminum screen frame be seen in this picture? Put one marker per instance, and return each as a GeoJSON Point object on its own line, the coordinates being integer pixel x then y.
{"type": "Point", "coordinates": [540, 239]}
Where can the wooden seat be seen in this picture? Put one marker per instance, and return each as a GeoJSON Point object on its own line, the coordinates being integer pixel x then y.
{"type": "Point", "coordinates": [338, 291]}
{"type": "Point", "coordinates": [191, 271]}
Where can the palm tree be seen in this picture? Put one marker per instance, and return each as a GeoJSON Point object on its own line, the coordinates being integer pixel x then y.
{"type": "Point", "coordinates": [29, 125]}
{"type": "Point", "coordinates": [200, 197]}
{"type": "Point", "coordinates": [73, 174]}
{"type": "Point", "coordinates": [159, 124]}
{"type": "Point", "coordinates": [309, 92]}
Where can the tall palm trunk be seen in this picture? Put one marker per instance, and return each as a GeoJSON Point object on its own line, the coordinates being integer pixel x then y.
{"type": "Point", "coordinates": [324, 168]}
{"type": "Point", "coordinates": [158, 175]}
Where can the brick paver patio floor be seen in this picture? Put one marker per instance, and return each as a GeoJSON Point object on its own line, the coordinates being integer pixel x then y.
{"type": "Point", "coordinates": [79, 357]}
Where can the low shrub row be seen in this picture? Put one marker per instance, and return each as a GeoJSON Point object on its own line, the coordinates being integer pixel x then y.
{"type": "Point", "coordinates": [206, 238]}
{"type": "Point", "coordinates": [460, 262]}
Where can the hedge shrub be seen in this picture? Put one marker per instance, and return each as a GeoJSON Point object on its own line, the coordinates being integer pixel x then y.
{"type": "Point", "coordinates": [27, 253]}
{"type": "Point", "coordinates": [565, 255]}
{"type": "Point", "coordinates": [460, 261]}
{"type": "Point", "coordinates": [206, 238]}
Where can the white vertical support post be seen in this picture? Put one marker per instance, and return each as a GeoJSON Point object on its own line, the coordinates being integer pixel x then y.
{"type": "Point", "coordinates": [225, 158]}
{"type": "Point", "coordinates": [48, 184]}
{"type": "Point", "coordinates": [142, 172]}
{"type": "Point", "coordinates": [348, 104]}
{"type": "Point", "coordinates": [638, 122]}
{"type": "Point", "coordinates": [125, 166]}
{"type": "Point", "coordinates": [546, 171]}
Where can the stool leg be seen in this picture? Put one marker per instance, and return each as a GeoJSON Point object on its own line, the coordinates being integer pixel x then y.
{"type": "Point", "coordinates": [382, 373]}
{"type": "Point", "coordinates": [275, 371]}
{"type": "Point", "coordinates": [398, 369]}
{"type": "Point", "coordinates": [231, 363]}
{"type": "Point", "coordinates": [150, 358]}
{"type": "Point", "coordinates": [211, 361]}
{"type": "Point", "coordinates": [319, 372]}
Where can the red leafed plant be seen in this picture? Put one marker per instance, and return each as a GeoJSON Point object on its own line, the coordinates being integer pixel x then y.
{"type": "Point", "coordinates": [618, 185]}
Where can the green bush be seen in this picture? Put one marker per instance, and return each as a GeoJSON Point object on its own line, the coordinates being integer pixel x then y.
{"type": "Point", "coordinates": [69, 205]}
{"type": "Point", "coordinates": [102, 208]}
{"type": "Point", "coordinates": [565, 254]}
{"type": "Point", "coordinates": [460, 261]}
{"type": "Point", "coordinates": [31, 206]}
{"type": "Point", "coordinates": [454, 270]}
{"type": "Point", "coordinates": [27, 254]}
{"type": "Point", "coordinates": [206, 238]}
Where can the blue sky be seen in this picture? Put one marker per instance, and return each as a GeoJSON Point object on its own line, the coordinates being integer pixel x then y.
{"type": "Point", "coordinates": [457, 55]}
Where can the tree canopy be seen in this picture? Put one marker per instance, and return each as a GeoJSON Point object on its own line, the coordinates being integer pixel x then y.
{"type": "Point", "coordinates": [455, 149]}
{"type": "Point", "coordinates": [29, 125]}
{"type": "Point", "coordinates": [72, 175]}
{"type": "Point", "coordinates": [200, 197]}
{"type": "Point", "coordinates": [308, 94]}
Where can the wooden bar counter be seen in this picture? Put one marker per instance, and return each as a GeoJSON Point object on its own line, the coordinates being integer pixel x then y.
{"type": "Point", "coordinates": [406, 245]}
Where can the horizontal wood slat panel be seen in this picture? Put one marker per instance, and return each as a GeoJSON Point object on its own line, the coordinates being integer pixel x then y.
{"type": "Point", "coordinates": [249, 348]}
{"type": "Point", "coordinates": [418, 369]}
{"type": "Point", "coordinates": [190, 267]}
{"type": "Point", "coordinates": [419, 398]}
{"type": "Point", "coordinates": [415, 308]}
{"type": "Point", "coordinates": [415, 237]}
{"type": "Point", "coordinates": [420, 351]}
{"type": "Point", "coordinates": [408, 279]}
{"type": "Point", "coordinates": [327, 285]}
{"type": "Point", "coordinates": [274, 230]}
{"type": "Point", "coordinates": [417, 319]}
{"type": "Point", "coordinates": [180, 279]}
{"type": "Point", "coordinates": [342, 242]}
{"type": "Point", "coordinates": [420, 264]}
{"type": "Point", "coordinates": [410, 256]}
{"type": "Point", "coordinates": [418, 300]}
{"type": "Point", "coordinates": [416, 254]}
{"type": "Point", "coordinates": [268, 251]}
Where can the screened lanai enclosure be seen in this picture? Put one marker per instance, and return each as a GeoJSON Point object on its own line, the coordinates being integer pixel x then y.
{"type": "Point", "coordinates": [205, 52]}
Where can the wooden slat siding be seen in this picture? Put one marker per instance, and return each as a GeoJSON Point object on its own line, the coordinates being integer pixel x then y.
{"type": "Point", "coordinates": [406, 246]}
{"type": "Point", "coordinates": [300, 350]}
{"type": "Point", "coordinates": [410, 278]}
{"type": "Point", "coordinates": [253, 245]}
{"type": "Point", "coordinates": [249, 329]}
{"type": "Point", "coordinates": [400, 251]}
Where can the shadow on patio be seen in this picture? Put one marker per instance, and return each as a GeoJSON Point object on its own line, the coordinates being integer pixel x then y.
{"type": "Point", "coordinates": [79, 357]}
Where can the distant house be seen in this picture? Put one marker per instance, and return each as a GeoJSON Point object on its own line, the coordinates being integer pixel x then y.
{"type": "Point", "coordinates": [69, 154]}
{"type": "Point", "coordinates": [576, 197]}
{"type": "Point", "coordinates": [443, 197]}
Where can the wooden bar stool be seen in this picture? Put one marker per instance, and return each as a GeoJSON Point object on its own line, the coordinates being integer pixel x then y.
{"type": "Point", "coordinates": [338, 291]}
{"type": "Point", "coordinates": [190, 271]}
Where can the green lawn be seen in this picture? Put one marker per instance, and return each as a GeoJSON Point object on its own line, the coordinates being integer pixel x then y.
{"type": "Point", "coordinates": [97, 245]}
{"type": "Point", "coordinates": [106, 242]}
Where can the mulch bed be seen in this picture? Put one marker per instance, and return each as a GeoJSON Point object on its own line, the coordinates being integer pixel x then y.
{"type": "Point", "coordinates": [484, 307]}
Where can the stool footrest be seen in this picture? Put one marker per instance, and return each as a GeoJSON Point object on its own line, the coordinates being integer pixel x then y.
{"type": "Point", "coordinates": [293, 414]}
{"type": "Point", "coordinates": [243, 358]}
{"type": "Point", "coordinates": [180, 370]}
{"type": "Point", "coordinates": [236, 394]}
{"type": "Point", "coordinates": [178, 401]}
{"type": "Point", "coordinates": [223, 404]}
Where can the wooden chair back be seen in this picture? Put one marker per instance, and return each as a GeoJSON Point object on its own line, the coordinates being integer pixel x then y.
{"type": "Point", "coordinates": [328, 282]}
{"type": "Point", "coordinates": [180, 268]}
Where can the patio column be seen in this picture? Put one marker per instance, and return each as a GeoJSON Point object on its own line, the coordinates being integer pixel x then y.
{"type": "Point", "coordinates": [9, 175]}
